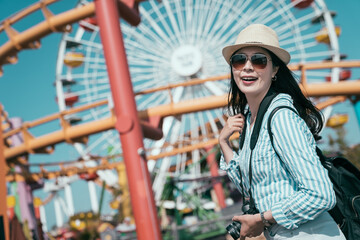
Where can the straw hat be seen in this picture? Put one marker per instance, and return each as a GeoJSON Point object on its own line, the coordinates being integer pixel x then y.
{"type": "Point", "coordinates": [257, 35]}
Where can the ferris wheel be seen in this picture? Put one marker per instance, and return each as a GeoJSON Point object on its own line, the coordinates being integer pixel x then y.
{"type": "Point", "coordinates": [176, 42]}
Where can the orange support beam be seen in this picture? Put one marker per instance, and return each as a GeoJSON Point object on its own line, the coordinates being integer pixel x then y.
{"type": "Point", "coordinates": [4, 221]}
{"type": "Point", "coordinates": [347, 88]}
{"type": "Point", "coordinates": [68, 133]}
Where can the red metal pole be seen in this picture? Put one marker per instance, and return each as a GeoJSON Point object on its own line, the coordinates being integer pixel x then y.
{"type": "Point", "coordinates": [214, 171]}
{"type": "Point", "coordinates": [128, 125]}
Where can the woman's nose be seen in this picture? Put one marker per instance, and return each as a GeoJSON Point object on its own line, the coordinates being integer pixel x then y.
{"type": "Point", "coordinates": [248, 65]}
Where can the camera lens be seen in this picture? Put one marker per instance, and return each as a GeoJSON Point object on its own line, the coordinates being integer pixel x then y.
{"type": "Point", "coordinates": [234, 229]}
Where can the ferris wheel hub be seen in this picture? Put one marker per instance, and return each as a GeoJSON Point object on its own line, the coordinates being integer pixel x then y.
{"type": "Point", "coordinates": [186, 60]}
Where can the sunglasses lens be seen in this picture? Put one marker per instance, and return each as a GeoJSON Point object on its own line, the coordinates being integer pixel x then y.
{"type": "Point", "coordinates": [259, 60]}
{"type": "Point", "coordinates": [238, 61]}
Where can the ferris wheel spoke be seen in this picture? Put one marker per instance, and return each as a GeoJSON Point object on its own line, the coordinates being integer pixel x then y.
{"type": "Point", "coordinates": [212, 25]}
{"type": "Point", "coordinates": [200, 19]}
{"type": "Point", "coordinates": [99, 140]}
{"type": "Point", "coordinates": [172, 19]}
{"type": "Point", "coordinates": [149, 82]}
{"type": "Point", "coordinates": [223, 34]}
{"type": "Point", "coordinates": [153, 100]}
{"type": "Point", "coordinates": [138, 69]}
{"type": "Point", "coordinates": [180, 18]}
{"type": "Point", "coordinates": [144, 82]}
{"type": "Point", "coordinates": [221, 28]}
{"type": "Point", "coordinates": [90, 79]}
{"type": "Point", "coordinates": [92, 98]}
{"type": "Point", "coordinates": [165, 25]}
{"type": "Point", "coordinates": [215, 89]}
{"type": "Point", "coordinates": [274, 12]}
{"type": "Point", "coordinates": [316, 54]}
{"type": "Point", "coordinates": [194, 133]}
{"type": "Point", "coordinates": [143, 60]}
{"type": "Point", "coordinates": [211, 16]}
{"type": "Point", "coordinates": [95, 89]}
{"type": "Point", "coordinates": [202, 124]}
{"type": "Point", "coordinates": [152, 42]}
{"type": "Point", "coordinates": [158, 34]}
{"type": "Point", "coordinates": [100, 113]}
{"type": "Point", "coordinates": [306, 46]}
{"type": "Point", "coordinates": [291, 41]}
{"type": "Point", "coordinates": [305, 20]}
{"type": "Point", "coordinates": [211, 120]}
{"type": "Point", "coordinates": [257, 12]}
{"type": "Point", "coordinates": [266, 16]}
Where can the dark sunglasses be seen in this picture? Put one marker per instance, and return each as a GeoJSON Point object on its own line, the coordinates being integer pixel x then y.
{"type": "Point", "coordinates": [258, 60]}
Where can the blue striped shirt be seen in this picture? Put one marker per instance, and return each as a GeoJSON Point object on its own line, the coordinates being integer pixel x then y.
{"type": "Point", "coordinates": [296, 188]}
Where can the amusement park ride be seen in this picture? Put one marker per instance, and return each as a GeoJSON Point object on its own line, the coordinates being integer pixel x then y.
{"type": "Point", "coordinates": [158, 81]}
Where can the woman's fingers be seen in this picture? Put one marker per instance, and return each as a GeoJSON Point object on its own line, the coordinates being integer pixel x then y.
{"type": "Point", "coordinates": [236, 124]}
{"type": "Point", "coordinates": [238, 218]}
{"type": "Point", "coordinates": [233, 124]}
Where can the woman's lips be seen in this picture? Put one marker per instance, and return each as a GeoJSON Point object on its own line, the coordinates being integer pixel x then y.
{"type": "Point", "coordinates": [248, 80]}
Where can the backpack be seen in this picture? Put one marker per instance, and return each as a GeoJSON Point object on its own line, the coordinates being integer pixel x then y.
{"type": "Point", "coordinates": [345, 178]}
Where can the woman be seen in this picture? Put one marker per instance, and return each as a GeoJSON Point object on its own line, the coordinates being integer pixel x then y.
{"type": "Point", "coordinates": [292, 193]}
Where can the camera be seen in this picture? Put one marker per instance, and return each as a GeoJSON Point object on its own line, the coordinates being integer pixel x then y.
{"type": "Point", "coordinates": [234, 228]}
{"type": "Point", "coordinates": [249, 208]}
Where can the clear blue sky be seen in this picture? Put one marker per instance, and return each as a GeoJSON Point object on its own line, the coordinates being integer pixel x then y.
{"type": "Point", "coordinates": [27, 88]}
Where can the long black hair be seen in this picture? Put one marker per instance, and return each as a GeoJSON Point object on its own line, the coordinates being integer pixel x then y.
{"type": "Point", "coordinates": [285, 83]}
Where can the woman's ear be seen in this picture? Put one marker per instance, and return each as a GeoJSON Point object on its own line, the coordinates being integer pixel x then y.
{"type": "Point", "coordinates": [275, 70]}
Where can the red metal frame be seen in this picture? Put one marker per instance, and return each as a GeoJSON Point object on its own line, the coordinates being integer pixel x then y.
{"type": "Point", "coordinates": [128, 124]}
{"type": "Point", "coordinates": [214, 170]}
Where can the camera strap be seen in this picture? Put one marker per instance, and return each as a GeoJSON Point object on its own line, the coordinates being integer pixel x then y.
{"type": "Point", "coordinates": [251, 204]}
{"type": "Point", "coordinates": [265, 103]}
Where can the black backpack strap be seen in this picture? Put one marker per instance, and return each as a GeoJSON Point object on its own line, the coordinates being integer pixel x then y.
{"type": "Point", "coordinates": [269, 124]}
{"type": "Point", "coordinates": [265, 103]}
{"type": "Point", "coordinates": [243, 134]}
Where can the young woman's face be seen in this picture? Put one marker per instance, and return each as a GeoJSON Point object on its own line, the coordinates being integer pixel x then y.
{"type": "Point", "coordinates": [253, 71]}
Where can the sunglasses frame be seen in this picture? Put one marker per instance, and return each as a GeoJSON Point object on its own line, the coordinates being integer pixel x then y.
{"type": "Point", "coordinates": [247, 58]}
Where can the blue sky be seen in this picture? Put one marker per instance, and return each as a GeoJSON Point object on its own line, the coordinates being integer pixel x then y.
{"type": "Point", "coordinates": [27, 88]}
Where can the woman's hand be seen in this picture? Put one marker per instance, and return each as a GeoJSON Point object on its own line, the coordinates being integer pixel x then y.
{"type": "Point", "coordinates": [233, 124]}
{"type": "Point", "coordinates": [251, 225]}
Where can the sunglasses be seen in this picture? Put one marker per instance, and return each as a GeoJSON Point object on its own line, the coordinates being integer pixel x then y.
{"type": "Point", "coordinates": [258, 60]}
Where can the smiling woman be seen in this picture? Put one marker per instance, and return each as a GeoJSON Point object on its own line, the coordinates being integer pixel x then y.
{"type": "Point", "coordinates": [281, 198]}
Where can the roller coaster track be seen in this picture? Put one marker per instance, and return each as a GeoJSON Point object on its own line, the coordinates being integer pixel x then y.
{"type": "Point", "coordinates": [30, 38]}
